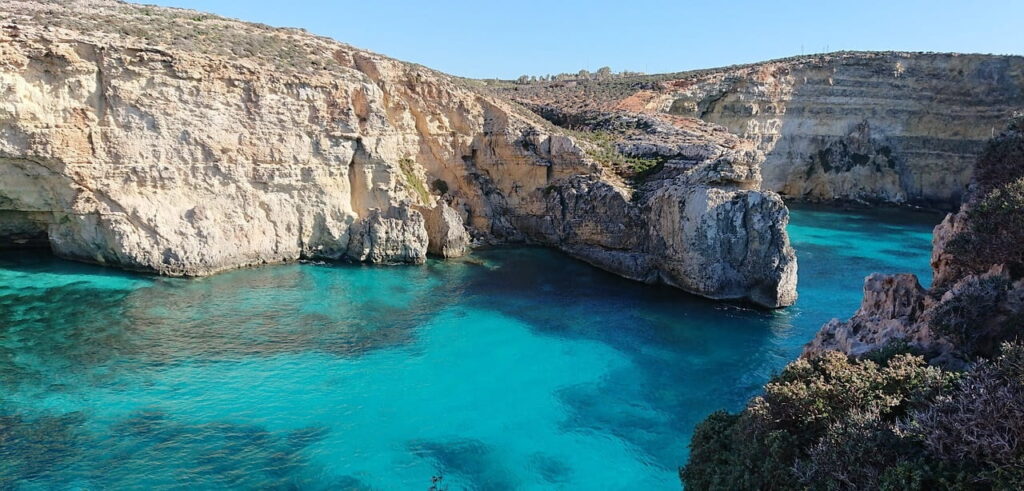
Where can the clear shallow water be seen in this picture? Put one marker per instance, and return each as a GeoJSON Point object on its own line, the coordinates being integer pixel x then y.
{"type": "Point", "coordinates": [516, 369]}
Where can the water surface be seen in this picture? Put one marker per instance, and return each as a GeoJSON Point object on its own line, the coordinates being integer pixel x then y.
{"type": "Point", "coordinates": [517, 368]}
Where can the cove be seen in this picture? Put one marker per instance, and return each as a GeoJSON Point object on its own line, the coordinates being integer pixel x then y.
{"type": "Point", "coordinates": [516, 368]}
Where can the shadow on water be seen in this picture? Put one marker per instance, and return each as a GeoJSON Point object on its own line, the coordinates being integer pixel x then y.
{"type": "Point", "coordinates": [59, 318]}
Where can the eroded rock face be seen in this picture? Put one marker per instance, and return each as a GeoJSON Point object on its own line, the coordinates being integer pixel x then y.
{"type": "Point", "coordinates": [896, 127]}
{"type": "Point", "coordinates": [968, 311]}
{"type": "Point", "coordinates": [896, 309]}
{"type": "Point", "coordinates": [447, 236]}
{"type": "Point", "coordinates": [694, 225]}
{"type": "Point", "coordinates": [945, 268]}
{"type": "Point", "coordinates": [890, 309]}
{"type": "Point", "coordinates": [716, 240]}
{"type": "Point", "coordinates": [128, 139]}
{"type": "Point", "coordinates": [398, 235]}
{"type": "Point", "coordinates": [890, 127]}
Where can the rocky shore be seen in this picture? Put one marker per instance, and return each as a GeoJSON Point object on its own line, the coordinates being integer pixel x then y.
{"type": "Point", "coordinates": [181, 143]}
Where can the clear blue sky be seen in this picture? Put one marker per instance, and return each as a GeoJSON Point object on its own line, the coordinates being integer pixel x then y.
{"type": "Point", "coordinates": [482, 38]}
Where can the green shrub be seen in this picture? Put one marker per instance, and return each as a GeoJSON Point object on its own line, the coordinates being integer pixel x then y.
{"type": "Point", "coordinates": [854, 453]}
{"type": "Point", "coordinates": [995, 231]}
{"type": "Point", "coordinates": [896, 347]}
{"type": "Point", "coordinates": [810, 395]}
{"type": "Point", "coordinates": [603, 149]}
{"type": "Point", "coordinates": [836, 423]}
{"type": "Point", "coordinates": [965, 318]}
{"type": "Point", "coordinates": [413, 180]}
{"type": "Point", "coordinates": [995, 215]}
{"type": "Point", "coordinates": [712, 461]}
{"type": "Point", "coordinates": [1002, 161]}
{"type": "Point", "coordinates": [980, 425]}
{"type": "Point", "coordinates": [826, 419]}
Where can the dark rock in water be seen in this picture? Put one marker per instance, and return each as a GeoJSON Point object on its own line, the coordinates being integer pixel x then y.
{"type": "Point", "coordinates": [346, 483]}
{"type": "Point", "coordinates": [305, 437]}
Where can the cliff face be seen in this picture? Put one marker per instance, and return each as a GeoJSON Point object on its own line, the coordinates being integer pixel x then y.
{"type": "Point", "coordinates": [892, 127]}
{"type": "Point", "coordinates": [171, 141]}
{"type": "Point", "coordinates": [976, 299]}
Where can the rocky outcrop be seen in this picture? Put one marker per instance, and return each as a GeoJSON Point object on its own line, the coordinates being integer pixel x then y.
{"type": "Point", "coordinates": [696, 224]}
{"type": "Point", "coordinates": [447, 236]}
{"type": "Point", "coordinates": [892, 127]}
{"type": "Point", "coordinates": [180, 143]}
{"type": "Point", "coordinates": [969, 309]}
{"type": "Point", "coordinates": [971, 317]}
{"type": "Point", "coordinates": [398, 235]}
{"type": "Point", "coordinates": [732, 234]}
{"type": "Point", "coordinates": [891, 304]}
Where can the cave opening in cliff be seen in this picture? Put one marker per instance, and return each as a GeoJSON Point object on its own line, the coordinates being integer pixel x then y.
{"type": "Point", "coordinates": [31, 193]}
{"type": "Point", "coordinates": [24, 230]}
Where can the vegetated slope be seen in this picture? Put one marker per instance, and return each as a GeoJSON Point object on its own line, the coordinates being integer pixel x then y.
{"type": "Point", "coordinates": [182, 143]}
{"type": "Point", "coordinates": [869, 126]}
{"type": "Point", "coordinates": [921, 389]}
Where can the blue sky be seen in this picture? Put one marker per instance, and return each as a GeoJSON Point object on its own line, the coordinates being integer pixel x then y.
{"type": "Point", "coordinates": [509, 38]}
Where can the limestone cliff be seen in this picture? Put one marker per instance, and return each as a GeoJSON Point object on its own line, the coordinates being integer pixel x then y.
{"type": "Point", "coordinates": [892, 127]}
{"type": "Point", "coordinates": [976, 299]}
{"type": "Point", "coordinates": [177, 142]}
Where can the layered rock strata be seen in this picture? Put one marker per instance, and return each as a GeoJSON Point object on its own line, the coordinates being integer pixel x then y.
{"type": "Point", "coordinates": [890, 127]}
{"type": "Point", "coordinates": [180, 143]}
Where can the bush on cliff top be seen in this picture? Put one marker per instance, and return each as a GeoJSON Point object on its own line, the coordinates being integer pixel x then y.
{"type": "Point", "coordinates": [841, 423]}
{"type": "Point", "coordinates": [971, 318]}
{"type": "Point", "coordinates": [604, 150]}
{"type": "Point", "coordinates": [980, 423]}
{"type": "Point", "coordinates": [995, 230]}
{"type": "Point", "coordinates": [1002, 161]}
{"type": "Point", "coordinates": [995, 213]}
{"type": "Point", "coordinates": [829, 418]}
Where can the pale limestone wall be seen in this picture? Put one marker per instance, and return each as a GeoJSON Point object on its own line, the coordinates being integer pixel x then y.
{"type": "Point", "coordinates": [153, 150]}
{"type": "Point", "coordinates": [895, 127]}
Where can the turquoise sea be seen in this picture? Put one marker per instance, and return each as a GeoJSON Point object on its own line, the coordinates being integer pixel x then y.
{"type": "Point", "coordinates": [517, 368]}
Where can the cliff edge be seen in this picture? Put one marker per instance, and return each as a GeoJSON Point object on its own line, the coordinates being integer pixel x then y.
{"type": "Point", "coordinates": [888, 127]}
{"type": "Point", "coordinates": [181, 143]}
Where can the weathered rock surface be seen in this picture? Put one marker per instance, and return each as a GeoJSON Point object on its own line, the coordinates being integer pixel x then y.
{"type": "Point", "coordinates": [891, 304]}
{"type": "Point", "coordinates": [696, 224]}
{"type": "Point", "coordinates": [710, 239]}
{"type": "Point", "coordinates": [171, 141]}
{"type": "Point", "coordinates": [398, 235]}
{"type": "Point", "coordinates": [893, 127]}
{"type": "Point", "coordinates": [448, 237]}
{"type": "Point", "coordinates": [896, 308]}
{"type": "Point", "coordinates": [966, 312]}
